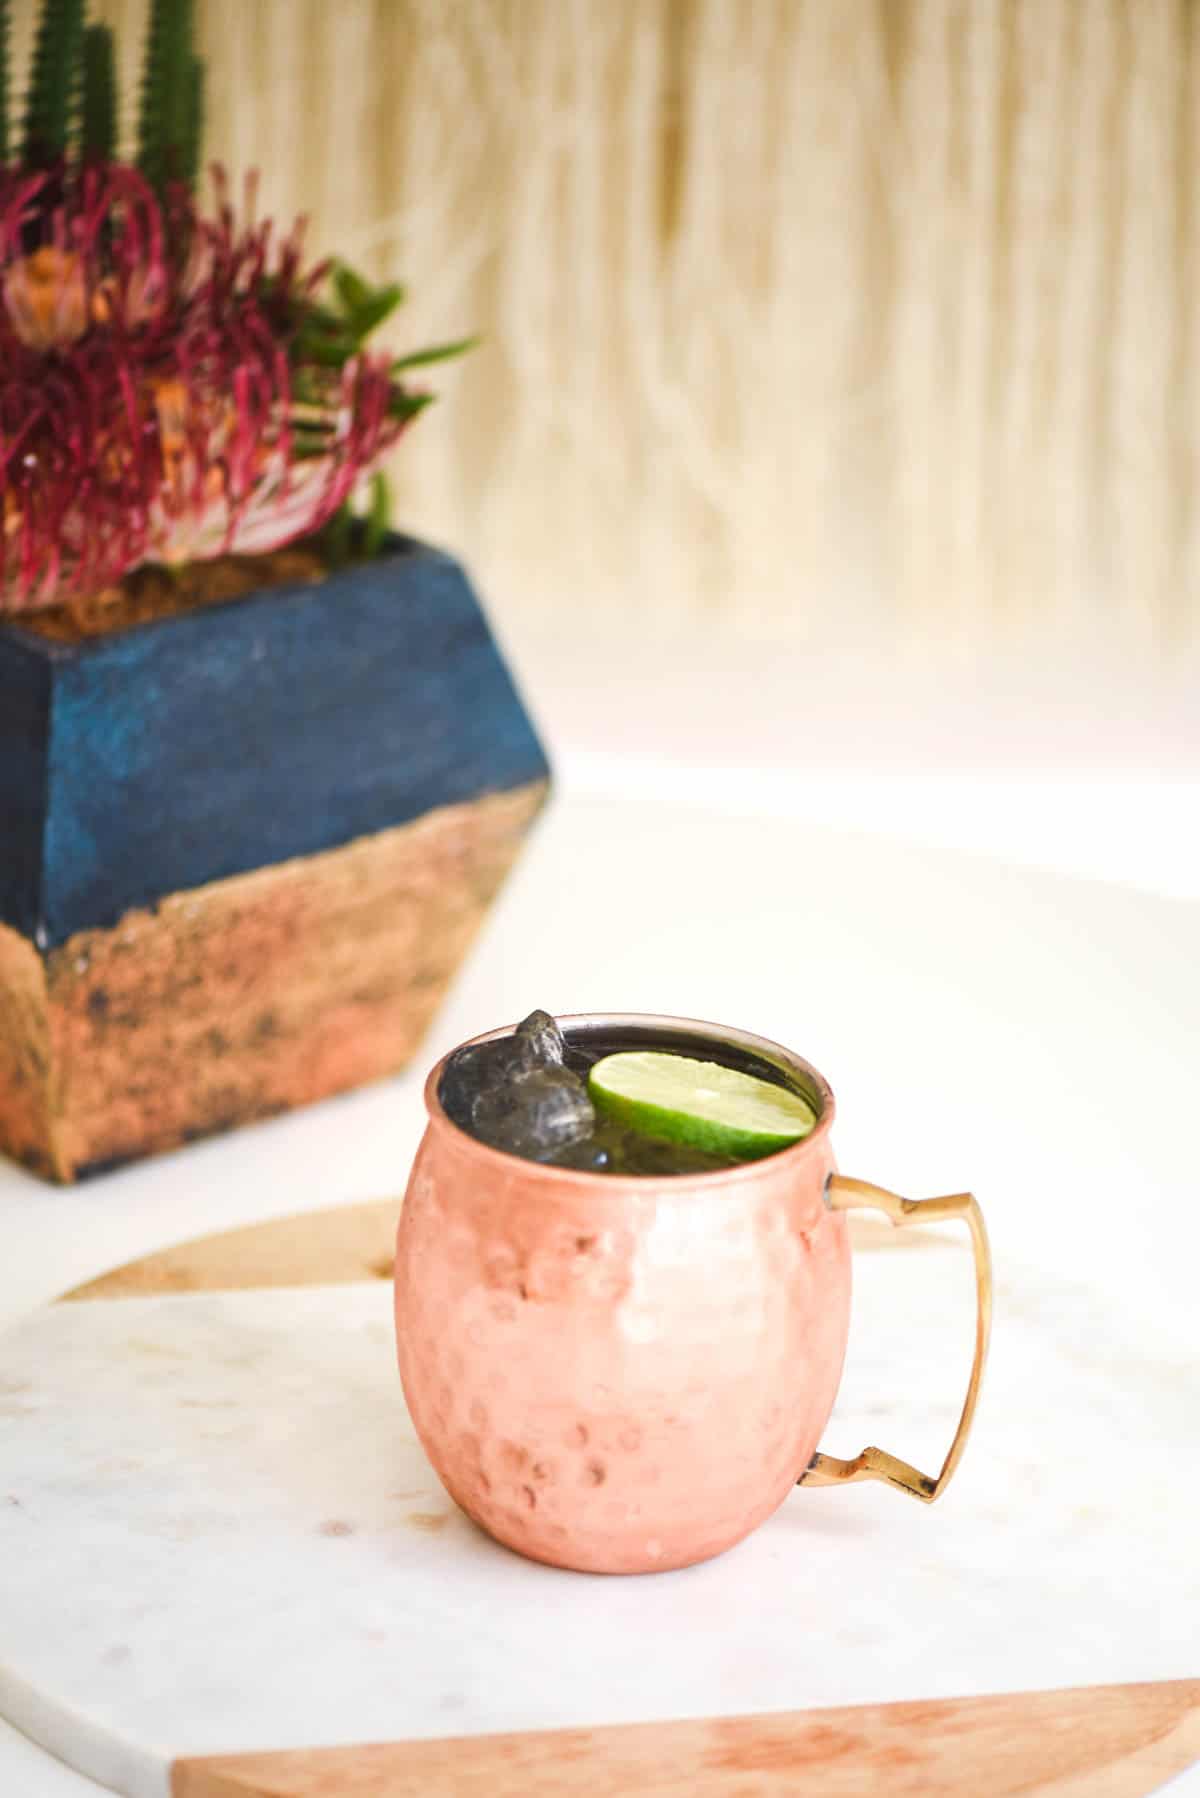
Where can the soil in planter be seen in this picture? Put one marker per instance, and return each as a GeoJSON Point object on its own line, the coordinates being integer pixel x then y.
{"type": "Point", "coordinates": [154, 592]}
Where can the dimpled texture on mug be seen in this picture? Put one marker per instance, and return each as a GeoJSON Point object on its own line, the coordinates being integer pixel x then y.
{"type": "Point", "coordinates": [615, 1380]}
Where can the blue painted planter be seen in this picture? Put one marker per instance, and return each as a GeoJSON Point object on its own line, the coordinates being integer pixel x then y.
{"type": "Point", "coordinates": [195, 811]}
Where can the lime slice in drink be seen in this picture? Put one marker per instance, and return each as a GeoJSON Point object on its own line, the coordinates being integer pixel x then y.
{"type": "Point", "coordinates": [701, 1103]}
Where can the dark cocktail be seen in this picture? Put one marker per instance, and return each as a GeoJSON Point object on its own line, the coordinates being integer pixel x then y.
{"type": "Point", "coordinates": [624, 1102]}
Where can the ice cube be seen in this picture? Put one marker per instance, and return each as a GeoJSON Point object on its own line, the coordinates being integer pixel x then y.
{"type": "Point", "coordinates": [533, 1115]}
{"type": "Point", "coordinates": [540, 1040]}
{"type": "Point", "coordinates": [474, 1070]}
{"type": "Point", "coordinates": [515, 1092]}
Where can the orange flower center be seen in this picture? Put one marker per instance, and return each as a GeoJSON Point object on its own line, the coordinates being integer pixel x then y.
{"type": "Point", "coordinates": [45, 298]}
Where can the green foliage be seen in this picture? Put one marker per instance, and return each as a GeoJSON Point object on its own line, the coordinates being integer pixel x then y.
{"type": "Point", "coordinates": [169, 126]}
{"type": "Point", "coordinates": [352, 535]}
{"type": "Point", "coordinates": [98, 130]}
{"type": "Point", "coordinates": [336, 540]}
{"type": "Point", "coordinates": [356, 297]}
{"type": "Point", "coordinates": [440, 352]}
{"type": "Point", "coordinates": [379, 515]}
{"type": "Point", "coordinates": [406, 405]}
{"type": "Point", "coordinates": [54, 86]}
{"type": "Point", "coordinates": [329, 334]}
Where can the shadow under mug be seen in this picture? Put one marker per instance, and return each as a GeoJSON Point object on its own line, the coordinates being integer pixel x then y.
{"type": "Point", "coordinates": [624, 1374]}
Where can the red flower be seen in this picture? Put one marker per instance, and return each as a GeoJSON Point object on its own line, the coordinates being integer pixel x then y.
{"type": "Point", "coordinates": [161, 396]}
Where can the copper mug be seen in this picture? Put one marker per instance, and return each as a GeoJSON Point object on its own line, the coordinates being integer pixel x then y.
{"type": "Point", "coordinates": [627, 1374]}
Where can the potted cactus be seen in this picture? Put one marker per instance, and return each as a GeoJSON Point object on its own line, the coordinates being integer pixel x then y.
{"type": "Point", "coordinates": [262, 768]}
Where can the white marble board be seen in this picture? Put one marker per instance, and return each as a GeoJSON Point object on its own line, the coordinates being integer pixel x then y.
{"type": "Point", "coordinates": [218, 1533]}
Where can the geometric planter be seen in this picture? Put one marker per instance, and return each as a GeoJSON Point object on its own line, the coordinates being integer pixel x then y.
{"type": "Point", "coordinates": [243, 850]}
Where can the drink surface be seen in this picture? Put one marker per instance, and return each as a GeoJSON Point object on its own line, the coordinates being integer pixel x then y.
{"type": "Point", "coordinates": [527, 1094]}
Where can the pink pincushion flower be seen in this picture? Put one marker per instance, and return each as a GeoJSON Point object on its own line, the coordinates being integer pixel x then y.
{"type": "Point", "coordinates": [163, 396]}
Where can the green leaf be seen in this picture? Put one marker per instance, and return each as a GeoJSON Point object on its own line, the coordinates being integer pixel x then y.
{"type": "Point", "coordinates": [324, 337]}
{"type": "Point", "coordinates": [335, 538]}
{"type": "Point", "coordinates": [330, 338]}
{"type": "Point", "coordinates": [307, 444]}
{"type": "Point", "coordinates": [440, 352]}
{"type": "Point", "coordinates": [379, 516]}
{"type": "Point", "coordinates": [314, 317]}
{"type": "Point", "coordinates": [98, 132]}
{"type": "Point", "coordinates": [407, 405]}
{"type": "Point", "coordinates": [326, 349]}
{"type": "Point", "coordinates": [352, 291]}
{"type": "Point", "coordinates": [364, 307]}
{"type": "Point", "coordinates": [370, 315]}
{"type": "Point", "coordinates": [54, 84]}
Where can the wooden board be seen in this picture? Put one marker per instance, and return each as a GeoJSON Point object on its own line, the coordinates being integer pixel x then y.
{"type": "Point", "coordinates": [1099, 1742]}
{"type": "Point", "coordinates": [327, 1248]}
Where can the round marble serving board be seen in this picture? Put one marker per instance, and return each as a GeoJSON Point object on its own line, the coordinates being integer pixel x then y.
{"type": "Point", "coordinates": [227, 1570]}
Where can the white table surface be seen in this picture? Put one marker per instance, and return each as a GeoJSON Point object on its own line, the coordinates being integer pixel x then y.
{"type": "Point", "coordinates": [1006, 1024]}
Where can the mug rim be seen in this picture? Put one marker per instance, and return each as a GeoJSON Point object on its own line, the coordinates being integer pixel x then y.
{"type": "Point", "coordinates": [763, 1046]}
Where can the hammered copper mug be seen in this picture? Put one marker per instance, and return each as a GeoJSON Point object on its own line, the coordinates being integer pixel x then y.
{"type": "Point", "coordinates": [627, 1374]}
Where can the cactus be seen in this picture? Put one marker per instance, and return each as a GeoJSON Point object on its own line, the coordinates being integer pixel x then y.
{"type": "Point", "coordinates": [194, 136]}
{"type": "Point", "coordinates": [168, 123]}
{"type": "Point", "coordinates": [4, 34]}
{"type": "Point", "coordinates": [98, 123]}
{"type": "Point", "coordinates": [53, 102]}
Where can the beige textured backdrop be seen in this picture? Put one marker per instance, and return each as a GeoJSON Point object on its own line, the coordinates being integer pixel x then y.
{"type": "Point", "coordinates": [882, 310]}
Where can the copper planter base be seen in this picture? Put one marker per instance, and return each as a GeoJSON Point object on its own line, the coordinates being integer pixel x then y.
{"type": "Point", "coordinates": [245, 997]}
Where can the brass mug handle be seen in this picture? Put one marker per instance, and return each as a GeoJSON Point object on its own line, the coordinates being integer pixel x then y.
{"type": "Point", "coordinates": [842, 1194]}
